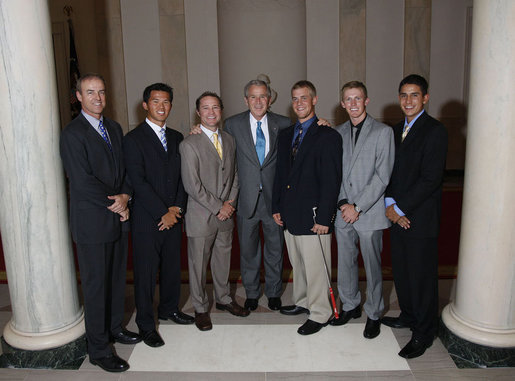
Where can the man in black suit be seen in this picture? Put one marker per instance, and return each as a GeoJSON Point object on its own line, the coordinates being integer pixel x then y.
{"type": "Point", "coordinates": [154, 169]}
{"type": "Point", "coordinates": [413, 204]}
{"type": "Point", "coordinates": [307, 179]}
{"type": "Point", "coordinates": [91, 151]}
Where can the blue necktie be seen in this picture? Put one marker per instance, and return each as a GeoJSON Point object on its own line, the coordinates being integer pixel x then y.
{"type": "Point", "coordinates": [162, 134]}
{"type": "Point", "coordinates": [103, 132]}
{"type": "Point", "coordinates": [260, 143]}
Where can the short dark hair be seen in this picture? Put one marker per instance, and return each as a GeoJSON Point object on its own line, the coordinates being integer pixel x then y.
{"type": "Point", "coordinates": [305, 83]}
{"type": "Point", "coordinates": [208, 94]}
{"type": "Point", "coordinates": [256, 82]}
{"type": "Point", "coordinates": [88, 76]}
{"type": "Point", "coordinates": [415, 79]}
{"type": "Point", "coordinates": [157, 87]}
{"type": "Point", "coordinates": [355, 85]}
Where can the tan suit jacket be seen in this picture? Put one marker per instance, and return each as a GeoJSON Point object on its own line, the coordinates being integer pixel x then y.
{"type": "Point", "coordinates": [209, 181]}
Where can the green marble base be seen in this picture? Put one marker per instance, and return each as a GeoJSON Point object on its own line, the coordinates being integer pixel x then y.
{"type": "Point", "coordinates": [471, 355]}
{"type": "Point", "coordinates": [69, 356]}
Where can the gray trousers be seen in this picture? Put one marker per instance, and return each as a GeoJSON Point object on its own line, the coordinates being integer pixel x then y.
{"type": "Point", "coordinates": [371, 243]}
{"type": "Point", "coordinates": [250, 252]}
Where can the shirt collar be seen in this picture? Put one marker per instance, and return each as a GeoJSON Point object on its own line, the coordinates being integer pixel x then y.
{"type": "Point", "coordinates": [208, 132]}
{"type": "Point", "coordinates": [254, 121]}
{"type": "Point", "coordinates": [410, 124]}
{"type": "Point", "coordinates": [305, 125]}
{"type": "Point", "coordinates": [157, 129]}
{"type": "Point", "coordinates": [92, 120]}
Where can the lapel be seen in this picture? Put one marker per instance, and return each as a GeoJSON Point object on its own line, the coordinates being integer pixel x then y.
{"type": "Point", "coordinates": [94, 135]}
{"type": "Point", "coordinates": [365, 130]}
{"type": "Point", "coordinates": [306, 146]}
{"type": "Point", "coordinates": [154, 140]}
{"type": "Point", "coordinates": [211, 147]}
{"type": "Point", "coordinates": [247, 137]}
{"type": "Point", "coordinates": [273, 130]}
{"type": "Point", "coordinates": [414, 131]}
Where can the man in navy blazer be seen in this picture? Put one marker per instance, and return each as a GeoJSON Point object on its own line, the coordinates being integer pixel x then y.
{"type": "Point", "coordinates": [154, 169]}
{"type": "Point", "coordinates": [91, 151]}
{"type": "Point", "coordinates": [413, 201]}
{"type": "Point", "coordinates": [307, 181]}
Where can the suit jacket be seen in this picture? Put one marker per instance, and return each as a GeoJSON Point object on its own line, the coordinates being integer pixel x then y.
{"type": "Point", "coordinates": [155, 175]}
{"type": "Point", "coordinates": [366, 170]}
{"type": "Point", "coordinates": [209, 182]}
{"type": "Point", "coordinates": [416, 182]}
{"type": "Point", "coordinates": [311, 180]}
{"type": "Point", "coordinates": [94, 172]}
{"type": "Point", "coordinates": [251, 173]}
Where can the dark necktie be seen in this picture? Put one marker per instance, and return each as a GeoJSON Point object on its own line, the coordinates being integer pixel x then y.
{"type": "Point", "coordinates": [103, 132]}
{"type": "Point", "coordinates": [296, 143]}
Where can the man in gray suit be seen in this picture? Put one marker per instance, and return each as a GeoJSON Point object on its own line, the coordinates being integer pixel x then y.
{"type": "Point", "coordinates": [255, 132]}
{"type": "Point", "coordinates": [210, 178]}
{"type": "Point", "coordinates": [368, 157]}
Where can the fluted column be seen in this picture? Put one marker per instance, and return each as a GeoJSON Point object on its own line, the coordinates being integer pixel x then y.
{"type": "Point", "coordinates": [483, 313]}
{"type": "Point", "coordinates": [33, 207]}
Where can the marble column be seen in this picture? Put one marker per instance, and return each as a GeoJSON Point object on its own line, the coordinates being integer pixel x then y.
{"type": "Point", "coordinates": [33, 208]}
{"type": "Point", "coordinates": [479, 325]}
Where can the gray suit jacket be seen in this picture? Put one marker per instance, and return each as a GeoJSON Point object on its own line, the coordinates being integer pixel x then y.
{"type": "Point", "coordinates": [209, 181]}
{"type": "Point", "coordinates": [251, 173]}
{"type": "Point", "coordinates": [367, 168]}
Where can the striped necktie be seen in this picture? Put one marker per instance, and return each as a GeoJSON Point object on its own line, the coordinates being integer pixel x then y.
{"type": "Point", "coordinates": [405, 132]}
{"type": "Point", "coordinates": [217, 144]}
{"type": "Point", "coordinates": [162, 137]}
{"type": "Point", "coordinates": [103, 132]}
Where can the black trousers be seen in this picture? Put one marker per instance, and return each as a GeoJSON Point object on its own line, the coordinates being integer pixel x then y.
{"type": "Point", "coordinates": [103, 269]}
{"type": "Point", "coordinates": [415, 274]}
{"type": "Point", "coordinates": [156, 251]}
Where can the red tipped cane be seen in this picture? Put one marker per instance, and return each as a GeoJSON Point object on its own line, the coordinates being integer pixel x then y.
{"type": "Point", "coordinates": [327, 274]}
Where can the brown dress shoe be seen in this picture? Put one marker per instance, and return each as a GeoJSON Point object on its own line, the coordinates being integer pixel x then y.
{"type": "Point", "coordinates": [233, 308]}
{"type": "Point", "coordinates": [202, 321]}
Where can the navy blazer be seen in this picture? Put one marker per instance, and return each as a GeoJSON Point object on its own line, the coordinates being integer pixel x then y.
{"type": "Point", "coordinates": [416, 182]}
{"type": "Point", "coordinates": [311, 180]}
{"type": "Point", "coordinates": [155, 175]}
{"type": "Point", "coordinates": [94, 172]}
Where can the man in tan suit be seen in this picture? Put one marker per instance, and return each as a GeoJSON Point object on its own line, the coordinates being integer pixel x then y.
{"type": "Point", "coordinates": [210, 178]}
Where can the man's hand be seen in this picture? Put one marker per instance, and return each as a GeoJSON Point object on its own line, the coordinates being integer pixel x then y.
{"type": "Point", "coordinates": [277, 219]}
{"type": "Point", "coordinates": [167, 221]}
{"type": "Point", "coordinates": [323, 122]}
{"type": "Point", "coordinates": [176, 211]}
{"type": "Point", "coordinates": [404, 222]}
{"type": "Point", "coordinates": [349, 214]}
{"type": "Point", "coordinates": [320, 229]}
{"type": "Point", "coordinates": [226, 211]}
{"type": "Point", "coordinates": [195, 130]}
{"type": "Point", "coordinates": [391, 214]}
{"type": "Point", "coordinates": [119, 204]}
{"type": "Point", "coordinates": [124, 215]}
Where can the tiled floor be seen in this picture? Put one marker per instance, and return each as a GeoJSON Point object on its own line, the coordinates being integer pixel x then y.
{"type": "Point", "coordinates": [267, 338]}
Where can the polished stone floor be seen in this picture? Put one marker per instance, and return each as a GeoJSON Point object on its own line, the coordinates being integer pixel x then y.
{"type": "Point", "coordinates": [265, 346]}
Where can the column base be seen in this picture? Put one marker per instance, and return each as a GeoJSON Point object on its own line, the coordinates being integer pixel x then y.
{"type": "Point", "coordinates": [467, 354]}
{"type": "Point", "coordinates": [68, 356]}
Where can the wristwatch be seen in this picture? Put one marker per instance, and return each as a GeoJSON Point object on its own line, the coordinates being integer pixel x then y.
{"type": "Point", "coordinates": [357, 209]}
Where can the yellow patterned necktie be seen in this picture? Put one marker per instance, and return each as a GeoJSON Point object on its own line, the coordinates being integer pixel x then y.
{"type": "Point", "coordinates": [217, 144]}
{"type": "Point", "coordinates": [405, 132]}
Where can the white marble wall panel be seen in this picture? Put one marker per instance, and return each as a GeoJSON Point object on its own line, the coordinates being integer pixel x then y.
{"type": "Point", "coordinates": [33, 205]}
{"type": "Point", "coordinates": [385, 56]}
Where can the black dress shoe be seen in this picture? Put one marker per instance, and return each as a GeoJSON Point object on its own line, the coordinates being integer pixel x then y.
{"type": "Point", "coordinates": [111, 363]}
{"type": "Point", "coordinates": [152, 338]}
{"type": "Point", "coordinates": [274, 303]}
{"type": "Point", "coordinates": [345, 316]}
{"type": "Point", "coordinates": [414, 348]}
{"type": "Point", "coordinates": [178, 317]}
{"type": "Point", "coordinates": [126, 337]}
{"type": "Point", "coordinates": [310, 327]}
{"type": "Point", "coordinates": [233, 308]}
{"type": "Point", "coordinates": [394, 322]}
{"type": "Point", "coordinates": [293, 310]}
{"type": "Point", "coordinates": [372, 328]}
{"type": "Point", "coordinates": [251, 304]}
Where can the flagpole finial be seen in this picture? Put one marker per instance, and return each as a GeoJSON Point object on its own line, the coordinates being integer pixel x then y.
{"type": "Point", "coordinates": [68, 10]}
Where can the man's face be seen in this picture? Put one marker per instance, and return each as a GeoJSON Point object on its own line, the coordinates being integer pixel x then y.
{"type": "Point", "coordinates": [158, 107]}
{"type": "Point", "coordinates": [303, 103]}
{"type": "Point", "coordinates": [210, 112]}
{"type": "Point", "coordinates": [92, 96]}
{"type": "Point", "coordinates": [257, 101]}
{"type": "Point", "coordinates": [355, 103]}
{"type": "Point", "coordinates": [412, 101]}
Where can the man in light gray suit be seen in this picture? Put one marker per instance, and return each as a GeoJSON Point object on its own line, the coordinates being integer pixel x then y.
{"type": "Point", "coordinates": [368, 157]}
{"type": "Point", "coordinates": [209, 175]}
{"type": "Point", "coordinates": [255, 132]}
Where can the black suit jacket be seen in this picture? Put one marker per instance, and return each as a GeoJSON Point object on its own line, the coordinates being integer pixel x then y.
{"type": "Point", "coordinates": [416, 182]}
{"type": "Point", "coordinates": [312, 180]}
{"type": "Point", "coordinates": [155, 175]}
{"type": "Point", "coordinates": [94, 172]}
